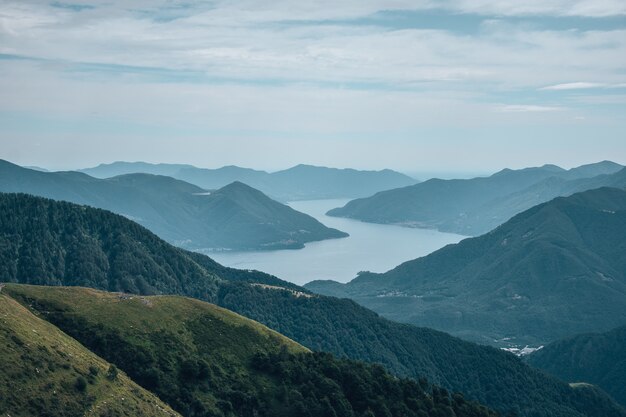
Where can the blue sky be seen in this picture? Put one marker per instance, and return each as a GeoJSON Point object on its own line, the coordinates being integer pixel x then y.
{"type": "Point", "coordinates": [419, 86]}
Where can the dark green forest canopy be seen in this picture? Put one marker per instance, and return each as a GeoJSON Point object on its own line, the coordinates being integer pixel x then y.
{"type": "Point", "coordinates": [208, 362]}
{"type": "Point", "coordinates": [596, 358]}
{"type": "Point", "coordinates": [36, 238]}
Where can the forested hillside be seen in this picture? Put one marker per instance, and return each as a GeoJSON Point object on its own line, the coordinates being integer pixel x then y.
{"type": "Point", "coordinates": [596, 358]}
{"type": "Point", "coordinates": [490, 376]}
{"type": "Point", "coordinates": [208, 362]}
{"type": "Point", "coordinates": [235, 217]}
{"type": "Point", "coordinates": [552, 271]}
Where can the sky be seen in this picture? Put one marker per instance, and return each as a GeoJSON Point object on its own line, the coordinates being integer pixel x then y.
{"type": "Point", "coordinates": [417, 86]}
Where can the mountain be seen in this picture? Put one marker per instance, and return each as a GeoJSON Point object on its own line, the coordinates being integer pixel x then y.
{"type": "Point", "coordinates": [554, 270]}
{"type": "Point", "coordinates": [235, 217]}
{"type": "Point", "coordinates": [237, 210]}
{"type": "Point", "coordinates": [56, 243]}
{"type": "Point", "coordinates": [476, 206]}
{"type": "Point", "coordinates": [503, 208]}
{"type": "Point", "coordinates": [207, 361]}
{"type": "Point", "coordinates": [596, 358]}
{"type": "Point", "coordinates": [115, 169]}
{"type": "Point", "coordinates": [306, 182]}
{"type": "Point", "coordinates": [302, 182]}
{"type": "Point", "coordinates": [44, 372]}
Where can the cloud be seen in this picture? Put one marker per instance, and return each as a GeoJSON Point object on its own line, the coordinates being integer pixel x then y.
{"type": "Point", "coordinates": [261, 69]}
{"type": "Point", "coordinates": [573, 86]}
{"type": "Point", "coordinates": [581, 86]}
{"type": "Point", "coordinates": [526, 108]}
{"type": "Point", "coordinates": [588, 8]}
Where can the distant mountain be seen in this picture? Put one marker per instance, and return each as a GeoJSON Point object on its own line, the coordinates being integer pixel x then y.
{"type": "Point", "coordinates": [44, 372]}
{"type": "Point", "coordinates": [596, 358]}
{"type": "Point", "coordinates": [207, 361]}
{"type": "Point", "coordinates": [302, 182]}
{"type": "Point", "coordinates": [503, 208]}
{"type": "Point", "coordinates": [554, 270]}
{"type": "Point", "coordinates": [57, 243]}
{"type": "Point", "coordinates": [475, 206]}
{"type": "Point", "coordinates": [234, 217]}
{"type": "Point", "coordinates": [36, 168]}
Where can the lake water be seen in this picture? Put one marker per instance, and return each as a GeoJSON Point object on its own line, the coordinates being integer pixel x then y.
{"type": "Point", "coordinates": [370, 247]}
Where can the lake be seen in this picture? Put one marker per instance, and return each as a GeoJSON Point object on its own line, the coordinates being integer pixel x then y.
{"type": "Point", "coordinates": [370, 247]}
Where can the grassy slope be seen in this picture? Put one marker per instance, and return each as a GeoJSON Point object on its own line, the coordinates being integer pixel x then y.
{"type": "Point", "coordinates": [40, 366]}
{"type": "Point", "coordinates": [154, 339]}
{"type": "Point", "coordinates": [207, 361]}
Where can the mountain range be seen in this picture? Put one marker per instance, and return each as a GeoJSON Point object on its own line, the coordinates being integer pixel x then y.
{"type": "Point", "coordinates": [595, 358]}
{"type": "Point", "coordinates": [46, 242]}
{"type": "Point", "coordinates": [475, 206]}
{"type": "Point", "coordinates": [554, 270]}
{"type": "Point", "coordinates": [235, 217]}
{"type": "Point", "coordinates": [301, 182]}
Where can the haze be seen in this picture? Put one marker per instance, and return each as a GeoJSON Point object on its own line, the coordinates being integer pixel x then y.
{"type": "Point", "coordinates": [417, 86]}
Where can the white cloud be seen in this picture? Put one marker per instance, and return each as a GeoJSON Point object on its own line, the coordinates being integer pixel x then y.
{"type": "Point", "coordinates": [580, 85]}
{"type": "Point", "coordinates": [573, 86]}
{"type": "Point", "coordinates": [526, 108]}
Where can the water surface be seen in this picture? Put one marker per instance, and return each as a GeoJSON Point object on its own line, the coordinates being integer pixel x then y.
{"type": "Point", "coordinates": [370, 247]}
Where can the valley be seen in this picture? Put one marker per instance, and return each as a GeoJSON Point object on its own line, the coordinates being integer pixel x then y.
{"type": "Point", "coordinates": [261, 208]}
{"type": "Point", "coordinates": [370, 247]}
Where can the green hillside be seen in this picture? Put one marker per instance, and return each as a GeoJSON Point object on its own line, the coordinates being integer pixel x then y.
{"type": "Point", "coordinates": [234, 217]}
{"type": "Point", "coordinates": [207, 361]}
{"type": "Point", "coordinates": [46, 242]}
{"type": "Point", "coordinates": [596, 358]}
{"type": "Point", "coordinates": [29, 225]}
{"type": "Point", "coordinates": [44, 372]}
{"type": "Point", "coordinates": [475, 206]}
{"type": "Point", "coordinates": [552, 271]}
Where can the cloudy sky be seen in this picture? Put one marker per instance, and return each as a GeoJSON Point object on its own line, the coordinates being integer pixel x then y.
{"type": "Point", "coordinates": [419, 86]}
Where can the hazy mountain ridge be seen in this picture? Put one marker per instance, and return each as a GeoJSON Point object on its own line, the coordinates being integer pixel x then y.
{"type": "Point", "coordinates": [339, 326]}
{"type": "Point", "coordinates": [554, 270]}
{"type": "Point", "coordinates": [236, 217]}
{"type": "Point", "coordinates": [301, 182]}
{"type": "Point", "coordinates": [475, 206]}
{"type": "Point", "coordinates": [596, 358]}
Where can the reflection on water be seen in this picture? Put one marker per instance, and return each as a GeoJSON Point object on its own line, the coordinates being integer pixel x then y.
{"type": "Point", "coordinates": [370, 247]}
